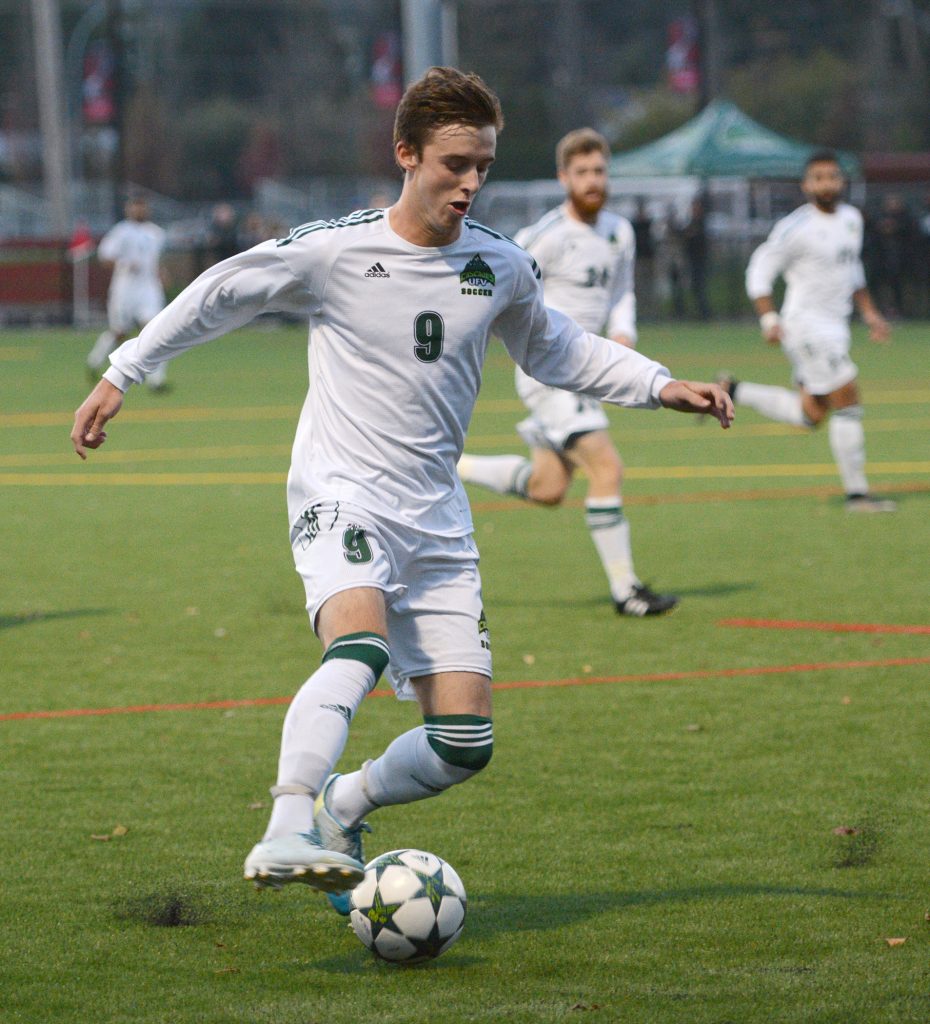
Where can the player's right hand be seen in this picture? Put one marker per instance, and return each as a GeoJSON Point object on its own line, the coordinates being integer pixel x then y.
{"type": "Point", "coordinates": [100, 406]}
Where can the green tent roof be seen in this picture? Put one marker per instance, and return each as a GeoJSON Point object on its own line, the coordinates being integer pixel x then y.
{"type": "Point", "coordinates": [721, 141]}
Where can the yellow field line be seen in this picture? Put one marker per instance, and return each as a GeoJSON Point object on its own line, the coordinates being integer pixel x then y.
{"type": "Point", "coordinates": [111, 456]}
{"type": "Point", "coordinates": [119, 455]}
{"type": "Point", "coordinates": [90, 478]}
{"type": "Point", "coordinates": [192, 414]}
{"type": "Point", "coordinates": [180, 415]}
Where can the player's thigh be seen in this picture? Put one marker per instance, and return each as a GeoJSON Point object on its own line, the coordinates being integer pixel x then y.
{"type": "Point", "coordinates": [844, 396]}
{"type": "Point", "coordinates": [347, 570]}
{"type": "Point", "coordinates": [551, 476]}
{"type": "Point", "coordinates": [359, 609]}
{"type": "Point", "coordinates": [453, 693]}
{"type": "Point", "coordinates": [437, 626]}
{"type": "Point", "coordinates": [596, 454]}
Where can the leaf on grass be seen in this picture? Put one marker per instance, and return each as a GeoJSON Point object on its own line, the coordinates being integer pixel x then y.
{"type": "Point", "coordinates": [586, 669]}
{"type": "Point", "coordinates": [227, 970]}
{"type": "Point", "coordinates": [927, 917]}
{"type": "Point", "coordinates": [529, 659]}
{"type": "Point", "coordinates": [586, 1006]}
{"type": "Point", "coordinates": [256, 805]}
{"type": "Point", "coordinates": [101, 839]}
{"type": "Point", "coordinates": [845, 830]}
{"type": "Point", "coordinates": [694, 727]}
{"type": "Point", "coordinates": [896, 942]}
{"type": "Point", "coordinates": [846, 700]}
{"type": "Point", "coordinates": [120, 830]}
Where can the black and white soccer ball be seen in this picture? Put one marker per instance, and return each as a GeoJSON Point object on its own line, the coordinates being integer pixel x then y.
{"type": "Point", "coordinates": [409, 907]}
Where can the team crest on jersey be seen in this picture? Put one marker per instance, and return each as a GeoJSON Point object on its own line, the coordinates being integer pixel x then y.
{"type": "Point", "coordinates": [477, 278]}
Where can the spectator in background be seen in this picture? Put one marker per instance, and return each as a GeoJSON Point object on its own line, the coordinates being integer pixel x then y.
{"type": "Point", "coordinates": [645, 249]}
{"type": "Point", "coordinates": [670, 263]}
{"type": "Point", "coordinates": [694, 244]}
{"type": "Point", "coordinates": [222, 234]}
{"type": "Point", "coordinates": [895, 236]}
{"type": "Point", "coordinates": [923, 255]}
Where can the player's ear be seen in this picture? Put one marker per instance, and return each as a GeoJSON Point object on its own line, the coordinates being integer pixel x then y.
{"type": "Point", "coordinates": [406, 156]}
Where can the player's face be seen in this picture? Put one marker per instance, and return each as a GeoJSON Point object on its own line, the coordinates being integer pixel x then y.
{"type": "Point", "coordinates": [137, 209]}
{"type": "Point", "coordinates": [585, 183]}
{"type": "Point", "coordinates": [823, 184]}
{"type": "Point", "coordinates": [441, 182]}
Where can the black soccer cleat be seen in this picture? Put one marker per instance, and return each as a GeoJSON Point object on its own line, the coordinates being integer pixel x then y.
{"type": "Point", "coordinates": [644, 601]}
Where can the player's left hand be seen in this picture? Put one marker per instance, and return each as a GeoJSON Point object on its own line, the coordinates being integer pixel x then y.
{"type": "Point", "coordinates": [879, 329]}
{"type": "Point", "coordinates": [100, 406]}
{"type": "Point", "coordinates": [698, 397]}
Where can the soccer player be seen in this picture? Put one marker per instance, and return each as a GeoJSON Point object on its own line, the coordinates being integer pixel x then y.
{"type": "Point", "coordinates": [817, 249]}
{"type": "Point", "coordinates": [401, 304]}
{"type": "Point", "coordinates": [132, 249]}
{"type": "Point", "coordinates": [586, 255]}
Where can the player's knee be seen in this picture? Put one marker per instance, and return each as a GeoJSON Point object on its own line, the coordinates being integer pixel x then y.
{"type": "Point", "coordinates": [465, 743]}
{"type": "Point", "coordinates": [370, 649]}
{"type": "Point", "coordinates": [546, 492]}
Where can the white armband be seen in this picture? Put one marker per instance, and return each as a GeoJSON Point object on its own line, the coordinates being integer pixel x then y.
{"type": "Point", "coordinates": [769, 320]}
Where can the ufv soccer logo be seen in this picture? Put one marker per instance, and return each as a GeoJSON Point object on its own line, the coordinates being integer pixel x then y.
{"type": "Point", "coordinates": [477, 278]}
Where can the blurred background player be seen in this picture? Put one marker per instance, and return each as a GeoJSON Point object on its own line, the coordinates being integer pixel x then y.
{"type": "Point", "coordinates": [817, 249]}
{"type": "Point", "coordinates": [132, 249]}
{"type": "Point", "coordinates": [586, 255]}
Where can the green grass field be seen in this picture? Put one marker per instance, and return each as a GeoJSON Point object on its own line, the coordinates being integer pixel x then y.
{"type": "Point", "coordinates": [655, 839]}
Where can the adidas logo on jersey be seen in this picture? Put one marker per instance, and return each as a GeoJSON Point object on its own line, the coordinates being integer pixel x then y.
{"type": "Point", "coordinates": [376, 270]}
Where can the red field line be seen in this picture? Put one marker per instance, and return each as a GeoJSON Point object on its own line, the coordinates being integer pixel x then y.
{"type": "Point", "coordinates": [825, 627]}
{"type": "Point", "coordinates": [526, 684]}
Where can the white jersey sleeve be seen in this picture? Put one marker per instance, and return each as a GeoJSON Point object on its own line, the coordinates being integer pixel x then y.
{"type": "Point", "coordinates": [227, 296]}
{"type": "Point", "coordinates": [769, 261]}
{"type": "Point", "coordinates": [555, 350]}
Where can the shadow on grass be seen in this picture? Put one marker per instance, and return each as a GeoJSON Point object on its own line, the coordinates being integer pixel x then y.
{"type": "Point", "coordinates": [27, 618]}
{"type": "Point", "coordinates": [512, 913]}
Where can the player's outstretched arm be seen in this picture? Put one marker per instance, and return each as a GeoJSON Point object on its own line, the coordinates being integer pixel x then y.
{"type": "Point", "coordinates": [100, 406]}
{"type": "Point", "coordinates": [696, 396]}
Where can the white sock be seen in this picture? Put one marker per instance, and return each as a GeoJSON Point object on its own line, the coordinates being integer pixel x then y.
{"type": "Point", "coordinates": [103, 346]}
{"type": "Point", "coordinates": [847, 442]}
{"type": "Point", "coordinates": [505, 474]}
{"type": "Point", "coordinates": [315, 730]}
{"type": "Point", "coordinates": [779, 404]}
{"type": "Point", "coordinates": [610, 532]}
{"type": "Point", "coordinates": [408, 770]}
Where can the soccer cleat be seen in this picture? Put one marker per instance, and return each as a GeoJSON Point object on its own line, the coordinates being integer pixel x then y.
{"type": "Point", "coordinates": [865, 503]}
{"type": "Point", "coordinates": [301, 857]}
{"type": "Point", "coordinates": [336, 837]}
{"type": "Point", "coordinates": [644, 601]}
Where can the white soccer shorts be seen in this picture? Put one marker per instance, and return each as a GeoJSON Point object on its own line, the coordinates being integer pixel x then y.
{"type": "Point", "coordinates": [556, 415]}
{"type": "Point", "coordinates": [819, 356]}
{"type": "Point", "coordinates": [133, 304]}
{"type": "Point", "coordinates": [431, 585]}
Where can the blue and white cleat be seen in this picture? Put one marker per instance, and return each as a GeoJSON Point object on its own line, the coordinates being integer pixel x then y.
{"type": "Point", "coordinates": [301, 857]}
{"type": "Point", "coordinates": [339, 839]}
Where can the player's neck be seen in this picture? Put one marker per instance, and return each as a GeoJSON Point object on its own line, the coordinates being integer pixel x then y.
{"type": "Point", "coordinates": [408, 222]}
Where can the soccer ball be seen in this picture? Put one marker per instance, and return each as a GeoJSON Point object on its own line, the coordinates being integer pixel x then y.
{"type": "Point", "coordinates": [409, 907]}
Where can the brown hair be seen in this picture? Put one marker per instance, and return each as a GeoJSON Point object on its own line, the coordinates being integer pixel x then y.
{"type": "Point", "coordinates": [579, 143]}
{"type": "Point", "coordinates": [441, 97]}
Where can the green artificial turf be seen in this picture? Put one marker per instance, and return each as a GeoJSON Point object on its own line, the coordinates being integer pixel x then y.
{"type": "Point", "coordinates": [711, 824]}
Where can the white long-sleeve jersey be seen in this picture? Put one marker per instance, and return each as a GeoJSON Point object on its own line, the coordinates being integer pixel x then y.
{"type": "Point", "coordinates": [398, 335]}
{"type": "Point", "coordinates": [820, 257]}
{"type": "Point", "coordinates": [587, 269]}
{"type": "Point", "coordinates": [135, 247]}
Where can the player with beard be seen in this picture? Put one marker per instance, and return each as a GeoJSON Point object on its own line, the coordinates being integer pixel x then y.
{"type": "Point", "coordinates": [817, 249]}
{"type": "Point", "coordinates": [586, 255]}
